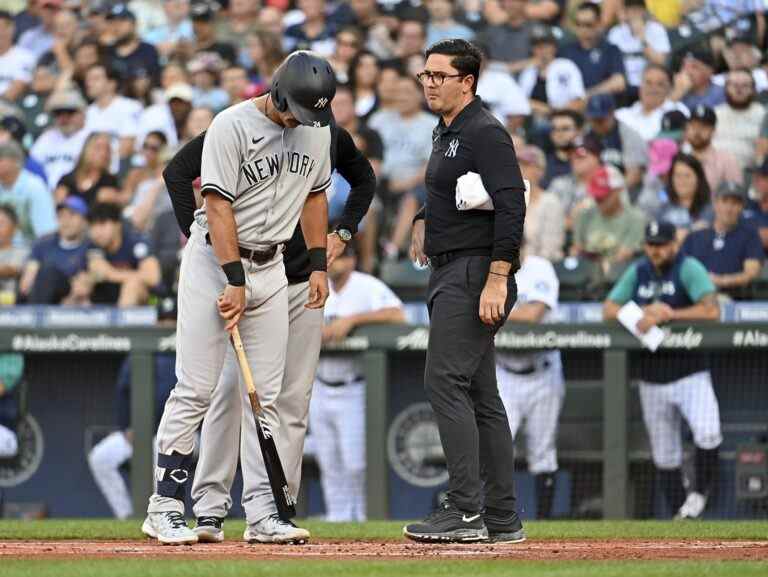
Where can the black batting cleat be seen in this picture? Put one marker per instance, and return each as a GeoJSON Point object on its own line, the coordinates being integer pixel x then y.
{"type": "Point", "coordinates": [448, 524]}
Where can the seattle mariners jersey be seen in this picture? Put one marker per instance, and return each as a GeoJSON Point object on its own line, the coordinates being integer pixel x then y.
{"type": "Point", "coordinates": [265, 171]}
{"type": "Point", "coordinates": [536, 282]}
{"type": "Point", "coordinates": [362, 293]}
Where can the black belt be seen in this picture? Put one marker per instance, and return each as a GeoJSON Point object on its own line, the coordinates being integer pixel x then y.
{"type": "Point", "coordinates": [253, 255]}
{"type": "Point", "coordinates": [525, 371]}
{"type": "Point", "coordinates": [335, 384]}
{"type": "Point", "coordinates": [442, 259]}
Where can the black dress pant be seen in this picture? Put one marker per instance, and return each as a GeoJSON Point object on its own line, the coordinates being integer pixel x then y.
{"type": "Point", "coordinates": [460, 382]}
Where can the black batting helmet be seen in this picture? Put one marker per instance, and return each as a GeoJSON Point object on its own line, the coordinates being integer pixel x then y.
{"type": "Point", "coordinates": [305, 84]}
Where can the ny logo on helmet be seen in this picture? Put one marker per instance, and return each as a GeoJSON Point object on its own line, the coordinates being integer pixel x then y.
{"type": "Point", "coordinates": [321, 102]}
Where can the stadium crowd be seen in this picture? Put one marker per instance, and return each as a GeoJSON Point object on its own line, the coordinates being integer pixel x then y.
{"type": "Point", "coordinates": [622, 111]}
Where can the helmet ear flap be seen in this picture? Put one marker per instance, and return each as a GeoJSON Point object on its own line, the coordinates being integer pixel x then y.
{"type": "Point", "coordinates": [281, 104]}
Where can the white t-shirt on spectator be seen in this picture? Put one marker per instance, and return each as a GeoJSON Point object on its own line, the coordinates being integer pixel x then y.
{"type": "Point", "coordinates": [120, 118]}
{"type": "Point", "coordinates": [58, 153]}
{"type": "Point", "coordinates": [156, 118]}
{"type": "Point", "coordinates": [647, 125]}
{"type": "Point", "coordinates": [15, 64]}
{"type": "Point", "coordinates": [407, 141]}
{"type": "Point", "coordinates": [502, 94]}
{"type": "Point", "coordinates": [563, 82]}
{"type": "Point", "coordinates": [632, 48]}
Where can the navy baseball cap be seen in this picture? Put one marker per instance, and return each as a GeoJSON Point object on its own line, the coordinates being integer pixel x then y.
{"type": "Point", "coordinates": [121, 12]}
{"type": "Point", "coordinates": [704, 114]}
{"type": "Point", "coordinates": [202, 11]}
{"type": "Point", "coordinates": [600, 106]}
{"type": "Point", "coordinates": [660, 232]}
{"type": "Point", "coordinates": [732, 190]}
{"type": "Point", "coordinates": [75, 204]}
{"type": "Point", "coordinates": [701, 55]}
{"type": "Point", "coordinates": [542, 33]}
{"type": "Point", "coordinates": [672, 125]}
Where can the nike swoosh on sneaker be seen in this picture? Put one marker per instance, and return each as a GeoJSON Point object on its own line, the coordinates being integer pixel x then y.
{"type": "Point", "coordinates": [470, 519]}
{"type": "Point", "coordinates": [257, 140]}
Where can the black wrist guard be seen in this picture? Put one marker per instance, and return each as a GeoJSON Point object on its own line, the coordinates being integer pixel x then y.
{"type": "Point", "coordinates": [318, 259]}
{"type": "Point", "coordinates": [235, 273]}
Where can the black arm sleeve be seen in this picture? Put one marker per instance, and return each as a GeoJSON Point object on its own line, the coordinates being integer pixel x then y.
{"type": "Point", "coordinates": [181, 171]}
{"type": "Point", "coordinates": [357, 171]}
{"type": "Point", "coordinates": [497, 164]}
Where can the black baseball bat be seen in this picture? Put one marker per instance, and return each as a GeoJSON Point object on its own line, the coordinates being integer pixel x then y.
{"type": "Point", "coordinates": [286, 504]}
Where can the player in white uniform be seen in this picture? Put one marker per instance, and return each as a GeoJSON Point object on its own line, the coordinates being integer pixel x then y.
{"type": "Point", "coordinates": [337, 408]}
{"type": "Point", "coordinates": [531, 385]}
{"type": "Point", "coordinates": [264, 166]}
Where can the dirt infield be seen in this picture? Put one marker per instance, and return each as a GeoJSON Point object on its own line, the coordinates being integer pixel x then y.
{"type": "Point", "coordinates": [327, 549]}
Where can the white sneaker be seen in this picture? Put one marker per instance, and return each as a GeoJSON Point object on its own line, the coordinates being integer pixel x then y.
{"type": "Point", "coordinates": [693, 507]}
{"type": "Point", "coordinates": [209, 530]}
{"type": "Point", "coordinates": [273, 529]}
{"type": "Point", "coordinates": [169, 528]}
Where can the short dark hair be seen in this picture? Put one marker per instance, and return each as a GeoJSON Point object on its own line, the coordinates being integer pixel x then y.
{"type": "Point", "coordinates": [104, 211]}
{"type": "Point", "coordinates": [466, 57]}
{"type": "Point", "coordinates": [10, 212]}
{"type": "Point", "coordinates": [653, 66]}
{"type": "Point", "coordinates": [592, 7]}
{"type": "Point", "coordinates": [110, 72]}
{"type": "Point", "coordinates": [577, 117]}
{"type": "Point", "coordinates": [159, 134]}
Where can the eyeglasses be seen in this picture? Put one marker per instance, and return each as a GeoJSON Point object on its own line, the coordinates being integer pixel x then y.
{"type": "Point", "coordinates": [151, 147]}
{"type": "Point", "coordinates": [345, 42]}
{"type": "Point", "coordinates": [436, 78]}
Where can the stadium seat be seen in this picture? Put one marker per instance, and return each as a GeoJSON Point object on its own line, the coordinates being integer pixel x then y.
{"type": "Point", "coordinates": [580, 279]}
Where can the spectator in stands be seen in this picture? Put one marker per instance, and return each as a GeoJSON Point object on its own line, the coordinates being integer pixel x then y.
{"type": "Point", "coordinates": [689, 206]}
{"type": "Point", "coordinates": [410, 46]}
{"type": "Point", "coordinates": [730, 250]}
{"type": "Point", "coordinates": [407, 138]}
{"type": "Point", "coordinates": [87, 54]}
{"type": "Point", "coordinates": [240, 20]}
{"type": "Point", "coordinates": [12, 129]}
{"type": "Point", "coordinates": [571, 188]}
{"type": "Point", "coordinates": [742, 54]}
{"type": "Point", "coordinates": [16, 64]}
{"type": "Point", "coordinates": [168, 117]}
{"type": "Point", "coordinates": [129, 53]}
{"type": "Point", "coordinates": [693, 84]}
{"type": "Point", "coordinates": [39, 39]}
{"type": "Point", "coordinates": [348, 42]}
{"type": "Point", "coordinates": [55, 271]}
{"type": "Point", "coordinates": [565, 129]}
{"type": "Point", "coordinates": [316, 33]}
{"type": "Point", "coordinates": [645, 115]}
{"type": "Point", "coordinates": [271, 20]}
{"type": "Point", "coordinates": [234, 81]}
{"type": "Point", "coordinates": [669, 286]}
{"type": "Point", "coordinates": [32, 100]}
{"type": "Point", "coordinates": [508, 40]}
{"type": "Point", "coordinates": [110, 112]}
{"type": "Point", "coordinates": [610, 231]}
{"type": "Point", "coordinates": [622, 146]}
{"type": "Point", "coordinates": [551, 83]}
{"type": "Point", "coordinates": [442, 24]}
{"type": "Point", "coordinates": [719, 165]}
{"type": "Point", "coordinates": [26, 193]}
{"type": "Point", "coordinates": [502, 95]}
{"type": "Point", "coordinates": [12, 257]}
{"type": "Point", "coordinates": [177, 28]}
{"type": "Point", "coordinates": [204, 70]}
{"type": "Point", "coordinates": [91, 178]}
{"type": "Point", "coordinates": [152, 151]}
{"type": "Point", "coordinates": [121, 266]}
{"type": "Point", "coordinates": [66, 37]}
{"type": "Point", "coordinates": [364, 77]}
{"type": "Point", "coordinates": [206, 40]}
{"type": "Point", "coordinates": [600, 62]}
{"type": "Point", "coordinates": [265, 53]}
{"type": "Point", "coordinates": [756, 211]}
{"type": "Point", "coordinates": [199, 119]}
{"type": "Point", "coordinates": [739, 118]}
{"type": "Point", "coordinates": [641, 39]}
{"type": "Point", "coordinates": [544, 216]}
{"type": "Point", "coordinates": [545, 11]}
{"type": "Point", "coordinates": [58, 148]}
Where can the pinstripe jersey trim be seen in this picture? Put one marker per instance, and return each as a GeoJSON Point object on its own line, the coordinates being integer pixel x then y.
{"type": "Point", "coordinates": [323, 186]}
{"type": "Point", "coordinates": [216, 188]}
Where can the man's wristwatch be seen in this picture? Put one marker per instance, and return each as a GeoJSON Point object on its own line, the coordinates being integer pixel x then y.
{"type": "Point", "coordinates": [344, 234]}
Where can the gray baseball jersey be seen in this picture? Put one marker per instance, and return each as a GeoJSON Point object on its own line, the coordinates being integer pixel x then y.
{"type": "Point", "coordinates": [265, 170]}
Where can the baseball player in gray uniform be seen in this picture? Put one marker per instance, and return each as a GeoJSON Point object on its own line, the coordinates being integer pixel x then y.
{"type": "Point", "coordinates": [266, 164]}
{"type": "Point", "coordinates": [531, 385]}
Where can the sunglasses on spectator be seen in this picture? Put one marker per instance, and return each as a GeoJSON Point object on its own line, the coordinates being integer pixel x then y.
{"type": "Point", "coordinates": [437, 78]}
{"type": "Point", "coordinates": [584, 24]}
{"type": "Point", "coordinates": [151, 147]}
{"type": "Point", "coordinates": [64, 112]}
{"type": "Point", "coordinates": [346, 42]}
